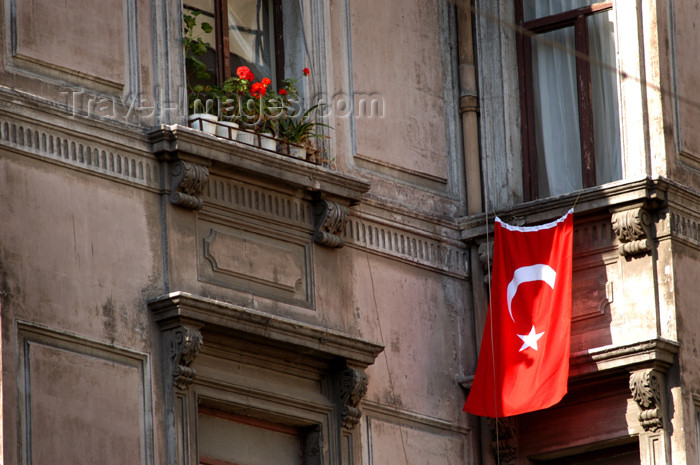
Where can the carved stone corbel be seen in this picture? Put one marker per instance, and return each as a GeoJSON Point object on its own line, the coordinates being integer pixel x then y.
{"type": "Point", "coordinates": [184, 344]}
{"type": "Point", "coordinates": [353, 387]}
{"type": "Point", "coordinates": [187, 182]}
{"type": "Point", "coordinates": [330, 220]}
{"type": "Point", "coordinates": [486, 258]}
{"type": "Point", "coordinates": [505, 451]}
{"type": "Point", "coordinates": [646, 386]}
{"type": "Point", "coordinates": [632, 228]}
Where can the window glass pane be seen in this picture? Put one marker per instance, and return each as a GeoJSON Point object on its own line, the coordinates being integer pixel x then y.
{"type": "Point", "coordinates": [250, 33]}
{"type": "Point", "coordinates": [556, 112]}
{"type": "Point", "coordinates": [533, 9]}
{"type": "Point", "coordinates": [206, 15]}
{"type": "Point", "coordinates": [606, 118]}
{"type": "Point", "coordinates": [237, 441]}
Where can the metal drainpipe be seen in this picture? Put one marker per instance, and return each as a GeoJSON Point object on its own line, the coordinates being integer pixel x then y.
{"type": "Point", "coordinates": [469, 114]}
{"type": "Point", "coordinates": [469, 107]}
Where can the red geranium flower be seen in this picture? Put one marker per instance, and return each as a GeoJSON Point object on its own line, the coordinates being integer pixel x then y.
{"type": "Point", "coordinates": [306, 71]}
{"type": "Point", "coordinates": [266, 82]}
{"type": "Point", "coordinates": [283, 92]}
{"type": "Point", "coordinates": [257, 90]}
{"type": "Point", "coordinates": [244, 72]}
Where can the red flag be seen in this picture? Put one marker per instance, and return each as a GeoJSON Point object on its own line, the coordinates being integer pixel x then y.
{"type": "Point", "coordinates": [524, 358]}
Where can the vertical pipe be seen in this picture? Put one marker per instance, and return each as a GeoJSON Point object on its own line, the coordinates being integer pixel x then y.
{"type": "Point", "coordinates": [469, 107]}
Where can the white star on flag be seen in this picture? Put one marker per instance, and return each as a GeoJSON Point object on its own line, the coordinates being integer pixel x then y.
{"type": "Point", "coordinates": [530, 340]}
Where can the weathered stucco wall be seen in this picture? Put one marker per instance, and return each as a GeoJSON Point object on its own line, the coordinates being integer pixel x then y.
{"type": "Point", "coordinates": [91, 235]}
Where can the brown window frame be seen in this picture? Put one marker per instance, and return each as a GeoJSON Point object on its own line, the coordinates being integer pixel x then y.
{"type": "Point", "coordinates": [221, 26]}
{"type": "Point", "coordinates": [526, 32]}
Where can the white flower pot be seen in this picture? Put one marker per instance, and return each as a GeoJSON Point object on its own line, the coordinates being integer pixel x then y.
{"type": "Point", "coordinates": [227, 130]}
{"type": "Point", "coordinates": [297, 152]}
{"type": "Point", "coordinates": [247, 138]}
{"type": "Point", "coordinates": [203, 122]}
{"type": "Point", "coordinates": [268, 143]}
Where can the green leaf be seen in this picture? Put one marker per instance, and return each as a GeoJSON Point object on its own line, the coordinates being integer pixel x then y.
{"type": "Point", "coordinates": [206, 27]}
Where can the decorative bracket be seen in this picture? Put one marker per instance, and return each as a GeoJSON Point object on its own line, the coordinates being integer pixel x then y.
{"type": "Point", "coordinates": [331, 218]}
{"type": "Point", "coordinates": [486, 258]}
{"type": "Point", "coordinates": [645, 386]}
{"type": "Point", "coordinates": [632, 228]}
{"type": "Point", "coordinates": [187, 182]}
{"type": "Point", "coordinates": [505, 451]}
{"type": "Point", "coordinates": [353, 387]}
{"type": "Point", "coordinates": [184, 343]}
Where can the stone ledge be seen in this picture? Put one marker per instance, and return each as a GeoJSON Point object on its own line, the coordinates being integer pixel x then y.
{"type": "Point", "coordinates": [654, 353]}
{"type": "Point", "coordinates": [179, 142]}
{"type": "Point", "coordinates": [181, 307]}
{"type": "Point", "coordinates": [644, 192]}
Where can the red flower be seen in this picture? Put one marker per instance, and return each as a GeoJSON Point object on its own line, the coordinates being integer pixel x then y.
{"type": "Point", "coordinates": [244, 72]}
{"type": "Point", "coordinates": [283, 92]}
{"type": "Point", "coordinates": [257, 90]}
{"type": "Point", "coordinates": [306, 71]}
{"type": "Point", "coordinates": [266, 82]}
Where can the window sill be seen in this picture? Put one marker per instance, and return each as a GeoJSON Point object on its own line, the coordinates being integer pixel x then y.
{"type": "Point", "coordinates": [176, 142]}
{"type": "Point", "coordinates": [646, 192]}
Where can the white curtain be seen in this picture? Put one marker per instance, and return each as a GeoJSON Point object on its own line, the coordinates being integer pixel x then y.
{"type": "Point", "coordinates": [556, 102]}
{"type": "Point", "coordinates": [606, 116]}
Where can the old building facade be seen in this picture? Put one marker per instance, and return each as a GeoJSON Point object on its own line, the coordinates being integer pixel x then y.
{"type": "Point", "coordinates": [593, 104]}
{"type": "Point", "coordinates": [174, 297]}
{"type": "Point", "coordinates": [170, 296]}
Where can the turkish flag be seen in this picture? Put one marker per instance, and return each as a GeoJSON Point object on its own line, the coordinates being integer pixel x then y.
{"type": "Point", "coordinates": [524, 358]}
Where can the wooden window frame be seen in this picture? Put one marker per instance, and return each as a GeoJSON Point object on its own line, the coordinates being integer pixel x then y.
{"type": "Point", "coordinates": [526, 32]}
{"type": "Point", "coordinates": [221, 36]}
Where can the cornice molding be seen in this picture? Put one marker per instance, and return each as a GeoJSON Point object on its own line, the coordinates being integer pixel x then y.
{"type": "Point", "coordinates": [654, 353]}
{"type": "Point", "coordinates": [180, 308]}
{"type": "Point", "coordinates": [76, 143]}
{"type": "Point", "coordinates": [179, 142]}
{"type": "Point", "coordinates": [644, 192]}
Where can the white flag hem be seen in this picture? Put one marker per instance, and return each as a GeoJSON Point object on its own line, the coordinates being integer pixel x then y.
{"type": "Point", "coordinates": [540, 227]}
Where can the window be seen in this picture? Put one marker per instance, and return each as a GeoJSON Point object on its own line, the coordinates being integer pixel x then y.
{"type": "Point", "coordinates": [228, 439]}
{"type": "Point", "coordinates": [261, 34]}
{"type": "Point", "coordinates": [568, 93]}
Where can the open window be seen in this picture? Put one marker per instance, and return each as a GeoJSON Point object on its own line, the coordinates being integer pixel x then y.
{"type": "Point", "coordinates": [569, 97]}
{"type": "Point", "coordinates": [264, 35]}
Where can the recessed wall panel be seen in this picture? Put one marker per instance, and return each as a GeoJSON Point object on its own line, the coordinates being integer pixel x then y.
{"type": "Point", "coordinates": [229, 256]}
{"type": "Point", "coordinates": [82, 402]}
{"type": "Point", "coordinates": [82, 37]}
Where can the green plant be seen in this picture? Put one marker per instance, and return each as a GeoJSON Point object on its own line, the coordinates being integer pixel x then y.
{"type": "Point", "coordinates": [301, 128]}
{"type": "Point", "coordinates": [202, 96]}
{"type": "Point", "coordinates": [293, 125]}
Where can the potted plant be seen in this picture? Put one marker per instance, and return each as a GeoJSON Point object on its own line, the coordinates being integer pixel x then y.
{"type": "Point", "coordinates": [202, 97]}
{"type": "Point", "coordinates": [294, 127]}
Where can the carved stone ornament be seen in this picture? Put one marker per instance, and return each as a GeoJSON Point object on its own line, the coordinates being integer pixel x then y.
{"type": "Point", "coordinates": [353, 387]}
{"type": "Point", "coordinates": [645, 386]}
{"type": "Point", "coordinates": [632, 228]}
{"type": "Point", "coordinates": [486, 258]}
{"type": "Point", "coordinates": [330, 220]}
{"type": "Point", "coordinates": [185, 343]}
{"type": "Point", "coordinates": [187, 182]}
{"type": "Point", "coordinates": [504, 445]}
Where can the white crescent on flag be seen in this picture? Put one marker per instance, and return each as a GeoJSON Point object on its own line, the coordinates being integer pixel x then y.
{"type": "Point", "coordinates": [527, 274]}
